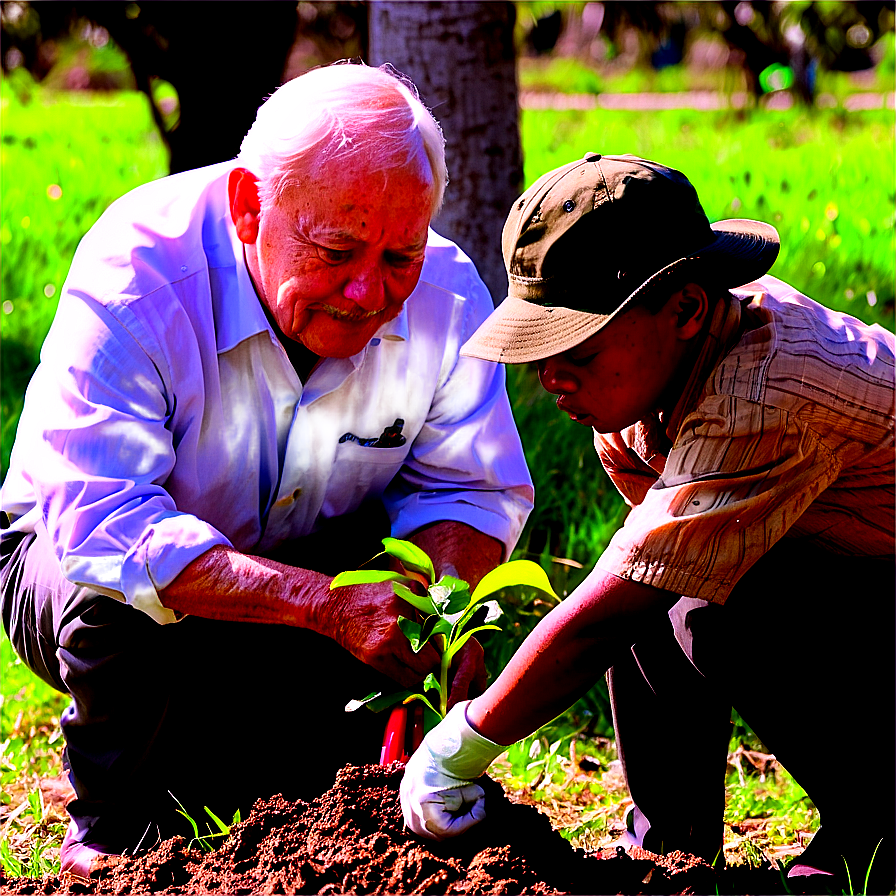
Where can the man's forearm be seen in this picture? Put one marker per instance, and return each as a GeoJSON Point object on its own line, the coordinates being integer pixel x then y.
{"type": "Point", "coordinates": [565, 654]}
{"type": "Point", "coordinates": [228, 585]}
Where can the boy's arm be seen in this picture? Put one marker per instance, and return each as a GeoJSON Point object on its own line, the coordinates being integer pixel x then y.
{"type": "Point", "coordinates": [563, 657]}
{"type": "Point", "coordinates": [565, 654]}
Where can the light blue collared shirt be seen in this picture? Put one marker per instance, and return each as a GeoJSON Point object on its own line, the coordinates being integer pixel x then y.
{"type": "Point", "coordinates": [165, 417]}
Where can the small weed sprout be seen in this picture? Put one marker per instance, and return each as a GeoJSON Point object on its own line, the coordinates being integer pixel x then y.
{"type": "Point", "coordinates": [867, 873]}
{"type": "Point", "coordinates": [451, 615]}
{"type": "Point", "coordinates": [205, 840]}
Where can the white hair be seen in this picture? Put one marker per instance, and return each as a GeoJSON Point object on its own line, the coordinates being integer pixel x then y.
{"type": "Point", "coordinates": [334, 112]}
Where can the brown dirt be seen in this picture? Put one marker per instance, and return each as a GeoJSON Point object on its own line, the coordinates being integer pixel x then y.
{"type": "Point", "coordinates": [352, 840]}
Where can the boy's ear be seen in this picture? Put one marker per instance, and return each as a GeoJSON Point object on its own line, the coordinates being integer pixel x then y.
{"type": "Point", "coordinates": [245, 206]}
{"type": "Point", "coordinates": [689, 305]}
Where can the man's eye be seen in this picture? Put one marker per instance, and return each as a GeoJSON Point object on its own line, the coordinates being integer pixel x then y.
{"type": "Point", "coordinates": [584, 360]}
{"type": "Point", "coordinates": [333, 256]}
{"type": "Point", "coordinates": [402, 261]}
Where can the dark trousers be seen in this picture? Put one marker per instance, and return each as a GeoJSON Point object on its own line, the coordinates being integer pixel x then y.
{"type": "Point", "coordinates": [804, 650]}
{"type": "Point", "coordinates": [211, 713]}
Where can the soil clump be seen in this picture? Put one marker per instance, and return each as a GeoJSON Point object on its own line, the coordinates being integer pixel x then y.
{"type": "Point", "coordinates": [352, 839]}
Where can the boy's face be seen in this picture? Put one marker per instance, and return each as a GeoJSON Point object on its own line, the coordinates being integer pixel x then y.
{"type": "Point", "coordinates": [622, 373]}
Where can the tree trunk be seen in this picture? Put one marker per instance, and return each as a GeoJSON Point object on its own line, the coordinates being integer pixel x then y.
{"type": "Point", "coordinates": [460, 55]}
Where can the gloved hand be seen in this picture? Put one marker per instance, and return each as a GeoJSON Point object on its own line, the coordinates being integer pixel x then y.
{"type": "Point", "coordinates": [438, 796]}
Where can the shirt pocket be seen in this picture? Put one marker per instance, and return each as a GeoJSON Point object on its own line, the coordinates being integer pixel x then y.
{"type": "Point", "coordinates": [359, 473]}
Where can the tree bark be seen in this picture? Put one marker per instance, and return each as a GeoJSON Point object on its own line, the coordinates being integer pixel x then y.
{"type": "Point", "coordinates": [461, 56]}
{"type": "Point", "coordinates": [223, 59]}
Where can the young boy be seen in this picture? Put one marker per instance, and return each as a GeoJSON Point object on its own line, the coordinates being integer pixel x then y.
{"type": "Point", "coordinates": [752, 434]}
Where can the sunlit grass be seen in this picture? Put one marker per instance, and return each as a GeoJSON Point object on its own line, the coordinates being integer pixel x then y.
{"type": "Point", "coordinates": [824, 179]}
{"type": "Point", "coordinates": [65, 158]}
{"type": "Point", "coordinates": [32, 817]}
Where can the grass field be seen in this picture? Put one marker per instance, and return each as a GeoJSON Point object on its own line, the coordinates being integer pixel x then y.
{"type": "Point", "coordinates": [824, 179]}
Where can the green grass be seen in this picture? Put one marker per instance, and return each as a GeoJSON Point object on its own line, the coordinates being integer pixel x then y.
{"type": "Point", "coordinates": [825, 179]}
{"type": "Point", "coordinates": [32, 825]}
{"type": "Point", "coordinates": [64, 158]}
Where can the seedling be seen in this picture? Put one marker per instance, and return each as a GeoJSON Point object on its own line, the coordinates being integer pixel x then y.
{"type": "Point", "coordinates": [451, 615]}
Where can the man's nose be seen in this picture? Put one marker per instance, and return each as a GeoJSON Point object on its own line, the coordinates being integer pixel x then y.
{"type": "Point", "coordinates": [365, 288]}
{"type": "Point", "coordinates": [556, 377]}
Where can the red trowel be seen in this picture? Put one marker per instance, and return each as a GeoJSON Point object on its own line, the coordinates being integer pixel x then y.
{"type": "Point", "coordinates": [404, 733]}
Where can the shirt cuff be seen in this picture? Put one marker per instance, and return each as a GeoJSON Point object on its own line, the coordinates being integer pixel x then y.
{"type": "Point", "coordinates": [494, 514]}
{"type": "Point", "coordinates": [167, 547]}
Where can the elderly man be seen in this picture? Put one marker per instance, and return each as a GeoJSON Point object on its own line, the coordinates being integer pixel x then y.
{"type": "Point", "coordinates": [751, 431]}
{"type": "Point", "coordinates": [253, 375]}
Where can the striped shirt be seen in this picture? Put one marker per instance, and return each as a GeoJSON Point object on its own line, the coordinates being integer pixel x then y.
{"type": "Point", "coordinates": [785, 427]}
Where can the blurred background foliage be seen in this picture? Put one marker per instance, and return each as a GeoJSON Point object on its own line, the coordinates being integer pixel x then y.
{"type": "Point", "coordinates": [759, 47]}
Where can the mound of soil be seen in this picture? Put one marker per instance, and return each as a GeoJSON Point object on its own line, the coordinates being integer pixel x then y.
{"type": "Point", "coordinates": [352, 839]}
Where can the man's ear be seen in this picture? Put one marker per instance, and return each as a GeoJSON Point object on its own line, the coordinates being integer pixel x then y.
{"type": "Point", "coordinates": [689, 305]}
{"type": "Point", "coordinates": [245, 207]}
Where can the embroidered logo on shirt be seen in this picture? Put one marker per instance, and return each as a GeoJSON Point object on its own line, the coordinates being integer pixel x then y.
{"type": "Point", "coordinates": [390, 437]}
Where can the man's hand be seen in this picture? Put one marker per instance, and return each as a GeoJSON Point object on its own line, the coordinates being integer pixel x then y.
{"type": "Point", "coordinates": [364, 620]}
{"type": "Point", "coordinates": [438, 796]}
{"type": "Point", "coordinates": [469, 677]}
{"type": "Point", "coordinates": [226, 584]}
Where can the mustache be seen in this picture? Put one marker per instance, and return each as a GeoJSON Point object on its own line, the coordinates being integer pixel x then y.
{"type": "Point", "coordinates": [349, 314]}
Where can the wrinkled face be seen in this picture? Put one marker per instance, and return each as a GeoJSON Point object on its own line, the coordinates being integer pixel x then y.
{"type": "Point", "coordinates": [336, 256]}
{"type": "Point", "coordinates": [619, 375]}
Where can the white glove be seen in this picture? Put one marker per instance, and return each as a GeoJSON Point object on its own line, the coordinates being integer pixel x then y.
{"type": "Point", "coordinates": [438, 796]}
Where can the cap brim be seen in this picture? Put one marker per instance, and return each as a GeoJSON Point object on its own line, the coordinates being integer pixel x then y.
{"type": "Point", "coordinates": [746, 248]}
{"type": "Point", "coordinates": [517, 332]}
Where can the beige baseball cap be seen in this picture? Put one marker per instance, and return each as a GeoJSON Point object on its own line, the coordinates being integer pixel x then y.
{"type": "Point", "coordinates": [590, 238]}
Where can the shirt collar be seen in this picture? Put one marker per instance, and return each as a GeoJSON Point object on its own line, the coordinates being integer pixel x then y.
{"type": "Point", "coordinates": [724, 330]}
{"type": "Point", "coordinates": [238, 310]}
{"type": "Point", "coordinates": [652, 437]}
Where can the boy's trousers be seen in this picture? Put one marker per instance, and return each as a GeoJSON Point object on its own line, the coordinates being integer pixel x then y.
{"type": "Point", "coordinates": [803, 649]}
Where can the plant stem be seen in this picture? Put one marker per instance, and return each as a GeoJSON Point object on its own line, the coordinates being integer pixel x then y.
{"type": "Point", "coordinates": [443, 678]}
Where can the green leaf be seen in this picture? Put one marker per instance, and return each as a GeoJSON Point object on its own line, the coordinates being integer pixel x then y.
{"type": "Point", "coordinates": [450, 595]}
{"type": "Point", "coordinates": [410, 556]}
{"type": "Point", "coordinates": [443, 627]}
{"type": "Point", "coordinates": [476, 614]}
{"type": "Point", "coordinates": [511, 574]}
{"type": "Point", "coordinates": [422, 602]}
{"type": "Point", "coordinates": [422, 698]}
{"type": "Point", "coordinates": [431, 682]}
{"type": "Point", "coordinates": [431, 718]}
{"type": "Point", "coordinates": [453, 649]}
{"type": "Point", "coordinates": [413, 631]}
{"type": "Point", "coordinates": [366, 577]}
{"type": "Point", "coordinates": [432, 625]}
{"type": "Point", "coordinates": [418, 634]}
